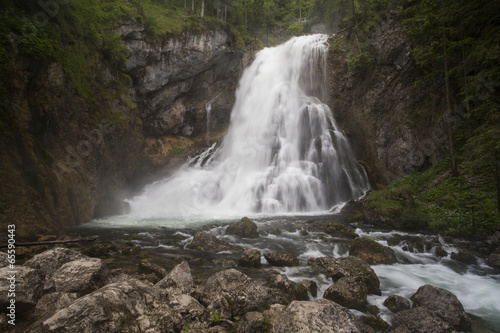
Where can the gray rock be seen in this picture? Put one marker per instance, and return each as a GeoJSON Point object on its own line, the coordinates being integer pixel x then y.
{"type": "Point", "coordinates": [161, 318]}
{"type": "Point", "coordinates": [494, 260]}
{"type": "Point", "coordinates": [444, 304]}
{"type": "Point", "coordinates": [4, 261]}
{"type": "Point", "coordinates": [250, 258]}
{"type": "Point", "coordinates": [348, 267]}
{"type": "Point", "coordinates": [179, 280]}
{"type": "Point", "coordinates": [203, 241]}
{"type": "Point", "coordinates": [372, 324]}
{"type": "Point", "coordinates": [193, 314]}
{"type": "Point", "coordinates": [350, 292]}
{"type": "Point", "coordinates": [114, 308]}
{"type": "Point", "coordinates": [246, 228]}
{"type": "Point", "coordinates": [397, 303]}
{"type": "Point", "coordinates": [81, 276]}
{"type": "Point", "coordinates": [278, 258]}
{"type": "Point", "coordinates": [464, 256]}
{"type": "Point", "coordinates": [251, 322]}
{"type": "Point", "coordinates": [420, 320]}
{"type": "Point", "coordinates": [51, 260]}
{"type": "Point", "coordinates": [290, 289]}
{"type": "Point", "coordinates": [372, 252]}
{"type": "Point", "coordinates": [27, 285]}
{"type": "Point", "coordinates": [231, 293]}
{"type": "Point", "coordinates": [310, 316]}
{"type": "Point", "coordinates": [311, 286]}
{"type": "Point", "coordinates": [150, 268]}
{"type": "Point", "coordinates": [51, 303]}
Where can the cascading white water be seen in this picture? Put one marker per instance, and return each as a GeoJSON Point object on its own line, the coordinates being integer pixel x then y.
{"type": "Point", "coordinates": [283, 152]}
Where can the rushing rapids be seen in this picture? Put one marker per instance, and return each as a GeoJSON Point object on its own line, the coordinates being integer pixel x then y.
{"type": "Point", "coordinates": [283, 152]}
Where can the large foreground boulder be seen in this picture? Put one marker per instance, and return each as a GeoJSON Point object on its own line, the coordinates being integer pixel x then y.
{"type": "Point", "coordinates": [113, 308]}
{"type": "Point", "coordinates": [80, 276]}
{"type": "Point", "coordinates": [203, 241]}
{"type": "Point", "coordinates": [444, 304]}
{"type": "Point", "coordinates": [310, 316]}
{"type": "Point", "coordinates": [246, 228]}
{"type": "Point", "coordinates": [26, 284]}
{"type": "Point", "coordinates": [348, 267]}
{"type": "Point", "coordinates": [51, 260]}
{"type": "Point", "coordinates": [231, 293]}
{"type": "Point", "coordinates": [372, 252]}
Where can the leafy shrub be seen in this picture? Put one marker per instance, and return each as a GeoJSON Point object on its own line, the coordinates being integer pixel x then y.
{"type": "Point", "coordinates": [295, 29]}
{"type": "Point", "coordinates": [360, 62]}
{"type": "Point", "coordinates": [413, 219]}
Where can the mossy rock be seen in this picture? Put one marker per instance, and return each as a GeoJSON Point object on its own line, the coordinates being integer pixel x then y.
{"type": "Point", "coordinates": [372, 252]}
{"type": "Point", "coordinates": [246, 228]}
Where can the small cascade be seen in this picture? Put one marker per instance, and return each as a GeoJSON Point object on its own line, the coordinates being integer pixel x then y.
{"type": "Point", "coordinates": [208, 107]}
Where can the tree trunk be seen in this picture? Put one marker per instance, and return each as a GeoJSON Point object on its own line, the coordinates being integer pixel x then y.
{"type": "Point", "coordinates": [202, 8]}
{"type": "Point", "coordinates": [300, 11]}
{"type": "Point", "coordinates": [454, 169]}
{"type": "Point", "coordinates": [185, 4]}
{"type": "Point", "coordinates": [192, 6]}
{"type": "Point", "coordinates": [354, 13]}
{"type": "Point", "coordinates": [218, 1]}
{"type": "Point", "coordinates": [497, 176]}
{"type": "Point", "coordinates": [225, 12]}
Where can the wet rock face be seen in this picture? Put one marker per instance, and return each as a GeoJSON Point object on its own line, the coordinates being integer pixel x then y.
{"type": "Point", "coordinates": [179, 279]}
{"type": "Point", "coordinates": [51, 260]}
{"type": "Point", "coordinates": [81, 276]}
{"type": "Point", "coordinates": [310, 316]}
{"type": "Point", "coordinates": [281, 259]}
{"type": "Point", "coordinates": [246, 228]}
{"type": "Point", "coordinates": [290, 289]}
{"type": "Point", "coordinates": [373, 105]}
{"type": "Point", "coordinates": [444, 304]}
{"type": "Point", "coordinates": [174, 78]}
{"type": "Point", "coordinates": [372, 252]}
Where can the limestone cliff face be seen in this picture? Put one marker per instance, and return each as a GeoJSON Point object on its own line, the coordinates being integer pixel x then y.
{"type": "Point", "coordinates": [395, 127]}
{"type": "Point", "coordinates": [65, 159]}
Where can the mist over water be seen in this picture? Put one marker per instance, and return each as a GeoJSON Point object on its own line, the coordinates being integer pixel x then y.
{"type": "Point", "coordinates": [283, 152]}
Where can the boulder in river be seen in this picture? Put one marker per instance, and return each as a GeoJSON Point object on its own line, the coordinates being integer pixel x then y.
{"type": "Point", "coordinates": [203, 241]}
{"type": "Point", "coordinates": [250, 258]}
{"type": "Point", "coordinates": [338, 268]}
{"type": "Point", "coordinates": [231, 293]}
{"type": "Point", "coordinates": [397, 303]}
{"type": "Point", "coordinates": [372, 252]}
{"type": "Point", "coordinates": [350, 292]}
{"type": "Point", "coordinates": [319, 315]}
{"type": "Point", "coordinates": [444, 304]}
{"type": "Point", "coordinates": [246, 228]}
{"type": "Point", "coordinates": [290, 290]}
{"type": "Point", "coordinates": [278, 258]}
{"type": "Point", "coordinates": [494, 260]}
{"type": "Point", "coordinates": [28, 286]}
{"type": "Point", "coordinates": [464, 256]}
{"type": "Point", "coordinates": [420, 320]}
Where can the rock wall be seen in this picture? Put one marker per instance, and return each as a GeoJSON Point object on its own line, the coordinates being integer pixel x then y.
{"type": "Point", "coordinates": [66, 159]}
{"type": "Point", "coordinates": [396, 126]}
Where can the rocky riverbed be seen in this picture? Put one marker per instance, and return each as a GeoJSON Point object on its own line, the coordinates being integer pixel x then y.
{"type": "Point", "coordinates": [243, 278]}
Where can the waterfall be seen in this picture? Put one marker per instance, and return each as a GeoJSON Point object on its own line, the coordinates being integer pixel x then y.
{"type": "Point", "coordinates": [283, 152]}
{"type": "Point", "coordinates": [208, 108]}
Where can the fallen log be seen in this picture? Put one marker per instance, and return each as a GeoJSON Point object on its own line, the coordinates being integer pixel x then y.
{"type": "Point", "coordinates": [78, 240]}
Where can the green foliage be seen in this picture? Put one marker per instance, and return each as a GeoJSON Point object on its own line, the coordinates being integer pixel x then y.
{"type": "Point", "coordinates": [415, 219]}
{"type": "Point", "coordinates": [185, 328]}
{"type": "Point", "coordinates": [295, 29]}
{"type": "Point", "coordinates": [216, 317]}
{"type": "Point", "coordinates": [361, 62]}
